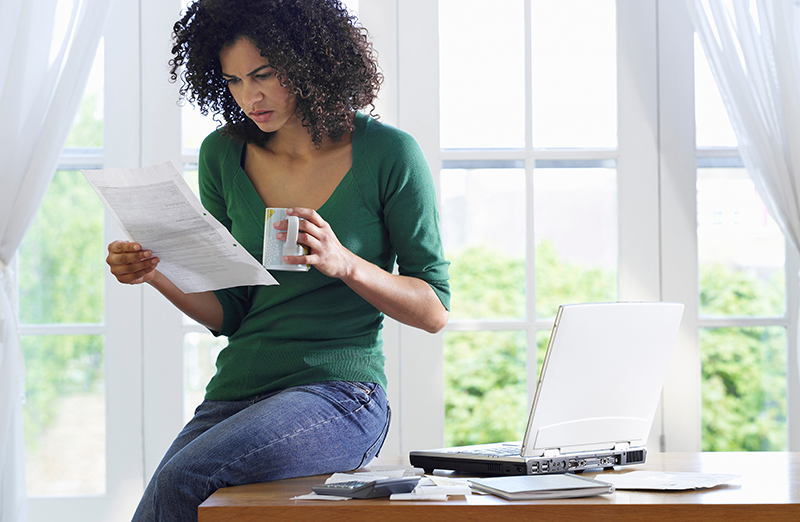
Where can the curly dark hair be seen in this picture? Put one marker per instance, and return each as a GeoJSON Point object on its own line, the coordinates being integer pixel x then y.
{"type": "Point", "coordinates": [320, 52]}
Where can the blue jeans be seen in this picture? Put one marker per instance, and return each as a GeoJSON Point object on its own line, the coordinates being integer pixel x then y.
{"type": "Point", "coordinates": [306, 430]}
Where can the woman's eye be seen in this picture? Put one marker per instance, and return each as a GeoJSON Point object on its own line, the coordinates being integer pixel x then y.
{"type": "Point", "coordinates": [264, 76]}
{"type": "Point", "coordinates": [231, 81]}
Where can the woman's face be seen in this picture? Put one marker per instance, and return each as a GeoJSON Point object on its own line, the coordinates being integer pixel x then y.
{"type": "Point", "coordinates": [255, 86]}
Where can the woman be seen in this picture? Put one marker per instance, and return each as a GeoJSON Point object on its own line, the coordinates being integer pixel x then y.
{"type": "Point", "coordinates": [299, 389]}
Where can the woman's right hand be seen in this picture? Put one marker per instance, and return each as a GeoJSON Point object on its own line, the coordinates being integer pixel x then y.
{"type": "Point", "coordinates": [130, 264]}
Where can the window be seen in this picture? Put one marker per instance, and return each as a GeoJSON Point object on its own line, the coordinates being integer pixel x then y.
{"type": "Point", "coordinates": [62, 317]}
{"type": "Point", "coordinates": [81, 335]}
{"type": "Point", "coordinates": [743, 312]}
{"type": "Point", "coordinates": [529, 193]}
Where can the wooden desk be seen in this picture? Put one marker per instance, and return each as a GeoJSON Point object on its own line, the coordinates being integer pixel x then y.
{"type": "Point", "coordinates": [769, 489]}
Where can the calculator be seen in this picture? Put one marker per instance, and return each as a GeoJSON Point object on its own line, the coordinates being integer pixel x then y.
{"type": "Point", "coordinates": [368, 488]}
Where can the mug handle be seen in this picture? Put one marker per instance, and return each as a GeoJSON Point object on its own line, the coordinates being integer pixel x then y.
{"type": "Point", "coordinates": [290, 246]}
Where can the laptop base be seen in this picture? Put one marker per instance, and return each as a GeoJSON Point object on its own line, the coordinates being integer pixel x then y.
{"type": "Point", "coordinates": [467, 464]}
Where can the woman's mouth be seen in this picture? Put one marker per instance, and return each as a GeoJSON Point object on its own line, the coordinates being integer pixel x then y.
{"type": "Point", "coordinates": [261, 116]}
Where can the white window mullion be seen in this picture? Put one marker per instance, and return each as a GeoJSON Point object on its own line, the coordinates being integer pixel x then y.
{"type": "Point", "coordinates": [637, 162]}
{"type": "Point", "coordinates": [163, 323]}
{"type": "Point", "coordinates": [678, 185]}
{"type": "Point", "coordinates": [421, 408]}
{"type": "Point", "coordinates": [122, 148]}
{"type": "Point", "coordinates": [380, 18]}
{"type": "Point", "coordinates": [531, 347]}
{"type": "Point", "coordinates": [792, 348]}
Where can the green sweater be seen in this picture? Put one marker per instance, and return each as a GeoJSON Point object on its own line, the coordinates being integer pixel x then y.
{"type": "Point", "coordinates": [313, 328]}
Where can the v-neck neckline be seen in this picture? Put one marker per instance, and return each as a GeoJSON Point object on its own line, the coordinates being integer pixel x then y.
{"type": "Point", "coordinates": [258, 205]}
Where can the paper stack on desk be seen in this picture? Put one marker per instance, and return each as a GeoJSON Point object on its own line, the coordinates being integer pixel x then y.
{"type": "Point", "coordinates": [531, 487]}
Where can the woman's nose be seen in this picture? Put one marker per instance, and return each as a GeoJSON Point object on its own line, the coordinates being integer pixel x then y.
{"type": "Point", "coordinates": [252, 94]}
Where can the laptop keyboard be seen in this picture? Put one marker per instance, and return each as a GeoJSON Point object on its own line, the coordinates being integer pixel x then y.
{"type": "Point", "coordinates": [504, 450]}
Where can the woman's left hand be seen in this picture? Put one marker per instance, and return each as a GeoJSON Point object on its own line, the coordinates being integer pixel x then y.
{"type": "Point", "coordinates": [326, 252]}
{"type": "Point", "coordinates": [407, 299]}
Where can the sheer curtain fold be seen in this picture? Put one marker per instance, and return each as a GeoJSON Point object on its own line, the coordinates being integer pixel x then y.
{"type": "Point", "coordinates": [46, 52]}
{"type": "Point", "coordinates": [752, 50]}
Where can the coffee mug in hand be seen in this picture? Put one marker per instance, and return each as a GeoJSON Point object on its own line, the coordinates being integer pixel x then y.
{"type": "Point", "coordinates": [274, 249]}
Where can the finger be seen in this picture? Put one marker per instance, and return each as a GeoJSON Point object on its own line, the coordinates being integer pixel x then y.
{"type": "Point", "coordinates": [304, 228]}
{"type": "Point", "coordinates": [137, 277]}
{"type": "Point", "coordinates": [121, 247]}
{"type": "Point", "coordinates": [120, 270]}
{"type": "Point", "coordinates": [296, 260]}
{"type": "Point", "coordinates": [128, 259]}
{"type": "Point", "coordinates": [309, 240]}
{"type": "Point", "coordinates": [126, 254]}
{"type": "Point", "coordinates": [308, 214]}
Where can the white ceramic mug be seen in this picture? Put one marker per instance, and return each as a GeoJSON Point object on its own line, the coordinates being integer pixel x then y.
{"type": "Point", "coordinates": [274, 249]}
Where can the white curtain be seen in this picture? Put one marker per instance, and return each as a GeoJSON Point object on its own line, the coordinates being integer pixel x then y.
{"type": "Point", "coordinates": [46, 52]}
{"type": "Point", "coordinates": [753, 49]}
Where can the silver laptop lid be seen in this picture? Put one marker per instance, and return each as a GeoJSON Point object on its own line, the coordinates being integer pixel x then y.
{"type": "Point", "coordinates": [602, 376]}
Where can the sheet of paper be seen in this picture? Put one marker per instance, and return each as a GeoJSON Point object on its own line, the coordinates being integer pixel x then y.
{"type": "Point", "coordinates": [414, 495]}
{"type": "Point", "coordinates": [156, 208]}
{"type": "Point", "coordinates": [314, 496]}
{"type": "Point", "coordinates": [364, 476]}
{"type": "Point", "coordinates": [431, 487]}
{"type": "Point", "coordinates": [664, 480]}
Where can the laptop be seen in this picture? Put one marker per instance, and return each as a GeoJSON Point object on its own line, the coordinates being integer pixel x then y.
{"type": "Point", "coordinates": [597, 394]}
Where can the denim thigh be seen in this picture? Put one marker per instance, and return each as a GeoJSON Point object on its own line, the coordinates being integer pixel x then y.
{"type": "Point", "coordinates": [305, 430]}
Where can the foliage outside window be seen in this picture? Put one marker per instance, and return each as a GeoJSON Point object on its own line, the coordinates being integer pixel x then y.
{"type": "Point", "coordinates": [61, 291]}
{"type": "Point", "coordinates": [744, 382]}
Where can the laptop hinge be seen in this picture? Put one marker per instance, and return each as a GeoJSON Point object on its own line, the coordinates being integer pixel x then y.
{"type": "Point", "coordinates": [622, 446]}
{"type": "Point", "coordinates": [554, 452]}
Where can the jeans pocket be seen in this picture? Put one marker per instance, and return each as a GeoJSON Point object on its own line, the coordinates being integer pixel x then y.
{"type": "Point", "coordinates": [375, 448]}
{"type": "Point", "coordinates": [367, 388]}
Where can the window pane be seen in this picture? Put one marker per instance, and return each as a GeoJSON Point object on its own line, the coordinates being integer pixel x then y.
{"type": "Point", "coordinates": [64, 415]}
{"type": "Point", "coordinates": [744, 388]}
{"type": "Point", "coordinates": [713, 126]}
{"type": "Point", "coordinates": [542, 340]}
{"type": "Point", "coordinates": [200, 352]}
{"type": "Point", "coordinates": [191, 177]}
{"type": "Point", "coordinates": [195, 127]}
{"type": "Point", "coordinates": [482, 74]}
{"type": "Point", "coordinates": [574, 74]}
{"type": "Point", "coordinates": [740, 248]}
{"type": "Point", "coordinates": [485, 387]}
{"type": "Point", "coordinates": [62, 254]}
{"type": "Point", "coordinates": [483, 228]}
{"type": "Point", "coordinates": [87, 129]}
{"type": "Point", "coordinates": [575, 216]}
